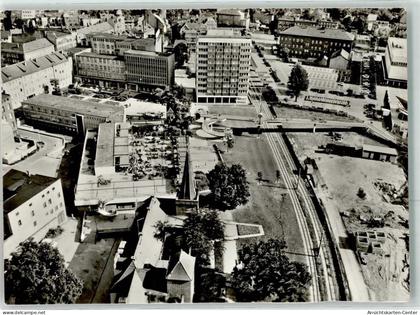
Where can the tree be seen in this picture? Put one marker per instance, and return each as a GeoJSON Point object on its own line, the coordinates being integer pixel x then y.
{"type": "Point", "coordinates": [228, 186]}
{"type": "Point", "coordinates": [210, 287]}
{"type": "Point", "coordinates": [160, 228]}
{"type": "Point", "coordinates": [298, 80]}
{"type": "Point", "coordinates": [266, 273]}
{"type": "Point", "coordinates": [36, 274]}
{"type": "Point", "coordinates": [201, 230]}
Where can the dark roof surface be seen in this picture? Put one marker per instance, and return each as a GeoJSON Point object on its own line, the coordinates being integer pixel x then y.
{"type": "Point", "coordinates": [318, 33]}
{"type": "Point", "coordinates": [18, 188]}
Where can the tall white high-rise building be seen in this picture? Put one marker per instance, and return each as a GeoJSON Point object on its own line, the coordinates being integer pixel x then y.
{"type": "Point", "coordinates": [223, 66]}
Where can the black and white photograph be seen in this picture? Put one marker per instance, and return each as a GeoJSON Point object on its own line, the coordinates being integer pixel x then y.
{"type": "Point", "coordinates": [159, 156]}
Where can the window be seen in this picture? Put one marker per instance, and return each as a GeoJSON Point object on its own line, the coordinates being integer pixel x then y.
{"type": "Point", "coordinates": [17, 213]}
{"type": "Point", "coordinates": [20, 222]}
{"type": "Point", "coordinates": [34, 223]}
{"type": "Point", "coordinates": [45, 204]}
{"type": "Point", "coordinates": [49, 201]}
{"type": "Point", "coordinates": [33, 213]}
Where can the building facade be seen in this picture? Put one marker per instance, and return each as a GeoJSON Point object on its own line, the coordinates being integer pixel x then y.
{"type": "Point", "coordinates": [310, 42]}
{"type": "Point", "coordinates": [62, 41]}
{"type": "Point", "coordinates": [29, 78]}
{"type": "Point", "coordinates": [68, 115]}
{"type": "Point", "coordinates": [148, 70]}
{"type": "Point", "coordinates": [395, 64]}
{"type": "Point", "coordinates": [223, 66]}
{"type": "Point", "coordinates": [12, 53]}
{"type": "Point", "coordinates": [8, 114]}
{"type": "Point", "coordinates": [32, 205]}
{"type": "Point", "coordinates": [102, 70]}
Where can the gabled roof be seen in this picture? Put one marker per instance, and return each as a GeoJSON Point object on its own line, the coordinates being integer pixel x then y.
{"type": "Point", "coordinates": [318, 33]}
{"type": "Point", "coordinates": [23, 68]}
{"type": "Point", "coordinates": [183, 269]}
{"type": "Point", "coordinates": [341, 53]}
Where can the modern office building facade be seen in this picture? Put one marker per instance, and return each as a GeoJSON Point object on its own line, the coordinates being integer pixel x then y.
{"type": "Point", "coordinates": [223, 66]}
{"type": "Point", "coordinates": [68, 115]}
{"type": "Point", "coordinates": [103, 70]}
{"type": "Point", "coordinates": [310, 42]}
{"type": "Point", "coordinates": [147, 70]}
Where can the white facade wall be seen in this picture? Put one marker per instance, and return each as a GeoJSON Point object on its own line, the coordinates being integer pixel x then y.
{"type": "Point", "coordinates": [36, 216]}
{"type": "Point", "coordinates": [32, 84]}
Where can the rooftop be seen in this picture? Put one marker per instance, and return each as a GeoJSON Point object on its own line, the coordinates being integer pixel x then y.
{"type": "Point", "coordinates": [398, 49]}
{"type": "Point", "coordinates": [23, 68]}
{"type": "Point", "coordinates": [318, 33]}
{"type": "Point", "coordinates": [19, 187]}
{"type": "Point", "coordinates": [379, 149]}
{"type": "Point", "coordinates": [100, 27]}
{"type": "Point", "coordinates": [28, 46]}
{"type": "Point", "coordinates": [226, 34]}
{"type": "Point", "coordinates": [95, 55]}
{"type": "Point", "coordinates": [74, 105]}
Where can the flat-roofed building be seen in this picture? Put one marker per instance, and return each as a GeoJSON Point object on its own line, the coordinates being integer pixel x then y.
{"type": "Point", "coordinates": [12, 53]}
{"type": "Point", "coordinates": [307, 42]}
{"type": "Point", "coordinates": [396, 62]}
{"type": "Point", "coordinates": [232, 18]}
{"type": "Point", "coordinates": [68, 115]}
{"type": "Point", "coordinates": [29, 78]}
{"type": "Point", "coordinates": [82, 34]}
{"type": "Point", "coordinates": [103, 70]}
{"type": "Point", "coordinates": [32, 205]}
{"type": "Point", "coordinates": [223, 66]}
{"type": "Point", "coordinates": [147, 70]}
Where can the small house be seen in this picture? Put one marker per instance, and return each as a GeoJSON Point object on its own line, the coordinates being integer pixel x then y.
{"type": "Point", "coordinates": [374, 152]}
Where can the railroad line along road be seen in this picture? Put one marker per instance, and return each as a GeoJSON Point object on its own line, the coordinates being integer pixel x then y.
{"type": "Point", "coordinates": [324, 286]}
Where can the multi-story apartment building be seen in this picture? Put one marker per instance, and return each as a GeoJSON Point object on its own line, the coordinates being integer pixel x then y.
{"type": "Point", "coordinates": [102, 70]}
{"type": "Point", "coordinates": [62, 41]}
{"type": "Point", "coordinates": [68, 115]}
{"type": "Point", "coordinates": [8, 114]}
{"type": "Point", "coordinates": [29, 78]}
{"type": "Point", "coordinates": [147, 70]}
{"type": "Point", "coordinates": [287, 22]}
{"type": "Point", "coordinates": [310, 42]}
{"type": "Point", "coordinates": [111, 44]}
{"type": "Point", "coordinates": [71, 19]}
{"type": "Point", "coordinates": [223, 66]}
{"type": "Point", "coordinates": [82, 34]}
{"type": "Point", "coordinates": [232, 18]}
{"type": "Point", "coordinates": [12, 53]}
{"type": "Point", "coordinates": [395, 68]}
{"type": "Point", "coordinates": [32, 205]}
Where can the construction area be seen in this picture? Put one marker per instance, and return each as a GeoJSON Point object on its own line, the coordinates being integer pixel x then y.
{"type": "Point", "coordinates": [367, 203]}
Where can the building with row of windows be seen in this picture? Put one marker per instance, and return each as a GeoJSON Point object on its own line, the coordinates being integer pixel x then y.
{"type": "Point", "coordinates": [32, 204]}
{"type": "Point", "coordinates": [35, 76]}
{"type": "Point", "coordinates": [68, 115]}
{"type": "Point", "coordinates": [137, 70]}
{"type": "Point", "coordinates": [287, 22]}
{"type": "Point", "coordinates": [62, 41]}
{"type": "Point", "coordinates": [223, 65]}
{"type": "Point", "coordinates": [310, 42]}
{"type": "Point", "coordinates": [12, 53]}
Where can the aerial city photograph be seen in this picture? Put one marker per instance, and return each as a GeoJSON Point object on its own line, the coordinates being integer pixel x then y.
{"type": "Point", "coordinates": [205, 156]}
